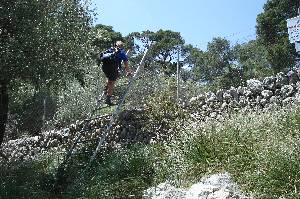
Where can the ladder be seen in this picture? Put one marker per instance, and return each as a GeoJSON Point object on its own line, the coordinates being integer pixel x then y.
{"type": "Point", "coordinates": [106, 131]}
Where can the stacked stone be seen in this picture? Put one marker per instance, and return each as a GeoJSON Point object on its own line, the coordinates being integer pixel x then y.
{"type": "Point", "coordinates": [279, 90]}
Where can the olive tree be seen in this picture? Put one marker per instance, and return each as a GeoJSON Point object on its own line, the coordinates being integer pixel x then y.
{"type": "Point", "coordinates": [43, 43]}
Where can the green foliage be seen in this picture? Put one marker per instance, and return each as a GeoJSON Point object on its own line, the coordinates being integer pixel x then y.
{"type": "Point", "coordinates": [43, 42]}
{"type": "Point", "coordinates": [125, 173]}
{"type": "Point", "coordinates": [216, 66]}
{"type": "Point", "coordinates": [165, 116]}
{"type": "Point", "coordinates": [197, 60]}
{"type": "Point", "coordinates": [34, 113]}
{"type": "Point", "coordinates": [272, 32]}
{"type": "Point", "coordinates": [102, 38]}
{"type": "Point", "coordinates": [105, 37]}
{"type": "Point", "coordinates": [145, 86]}
{"type": "Point", "coordinates": [259, 150]}
{"type": "Point", "coordinates": [32, 179]}
{"type": "Point", "coordinates": [76, 101]}
{"type": "Point", "coordinates": [162, 53]}
{"type": "Point", "coordinates": [29, 109]}
{"type": "Point", "coordinates": [252, 59]}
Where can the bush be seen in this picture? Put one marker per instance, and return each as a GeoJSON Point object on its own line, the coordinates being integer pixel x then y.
{"type": "Point", "coordinates": [76, 101]}
{"type": "Point", "coordinates": [260, 150]}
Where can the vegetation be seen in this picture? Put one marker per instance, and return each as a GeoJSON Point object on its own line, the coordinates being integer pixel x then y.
{"type": "Point", "coordinates": [272, 32]}
{"type": "Point", "coordinates": [260, 150]}
{"type": "Point", "coordinates": [49, 78]}
{"type": "Point", "coordinates": [42, 43]}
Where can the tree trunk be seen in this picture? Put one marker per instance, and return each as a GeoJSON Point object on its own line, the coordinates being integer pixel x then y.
{"type": "Point", "coordinates": [3, 108]}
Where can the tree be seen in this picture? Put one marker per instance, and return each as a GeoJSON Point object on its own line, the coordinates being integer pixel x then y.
{"type": "Point", "coordinates": [196, 59]}
{"type": "Point", "coordinates": [272, 32]}
{"type": "Point", "coordinates": [214, 62]}
{"type": "Point", "coordinates": [167, 44]}
{"type": "Point", "coordinates": [43, 43]}
{"type": "Point", "coordinates": [220, 56]}
{"type": "Point", "coordinates": [216, 66]}
{"type": "Point", "coordinates": [105, 37]}
{"type": "Point", "coordinates": [251, 58]}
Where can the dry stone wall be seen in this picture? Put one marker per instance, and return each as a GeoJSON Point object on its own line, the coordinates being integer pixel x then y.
{"type": "Point", "coordinates": [270, 92]}
{"type": "Point", "coordinates": [126, 131]}
{"type": "Point", "coordinates": [279, 90]}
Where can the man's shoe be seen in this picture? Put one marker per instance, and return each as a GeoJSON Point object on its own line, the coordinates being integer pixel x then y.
{"type": "Point", "coordinates": [105, 90]}
{"type": "Point", "coordinates": [108, 101]}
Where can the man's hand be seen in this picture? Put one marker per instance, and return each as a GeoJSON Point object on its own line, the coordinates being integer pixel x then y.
{"type": "Point", "coordinates": [128, 72]}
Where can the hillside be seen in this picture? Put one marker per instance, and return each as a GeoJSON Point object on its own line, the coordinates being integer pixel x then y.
{"type": "Point", "coordinates": [250, 132]}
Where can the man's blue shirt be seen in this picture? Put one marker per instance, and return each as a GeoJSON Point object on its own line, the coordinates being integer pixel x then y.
{"type": "Point", "coordinates": [121, 55]}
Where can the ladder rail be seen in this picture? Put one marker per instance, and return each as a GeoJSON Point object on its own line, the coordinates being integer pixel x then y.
{"type": "Point", "coordinates": [118, 108]}
{"type": "Point", "coordinates": [106, 132]}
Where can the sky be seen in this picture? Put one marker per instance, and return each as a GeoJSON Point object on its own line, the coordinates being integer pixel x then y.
{"type": "Point", "coordinates": [198, 21]}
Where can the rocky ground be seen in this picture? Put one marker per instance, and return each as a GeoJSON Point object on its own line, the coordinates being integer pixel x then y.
{"type": "Point", "coordinates": [217, 186]}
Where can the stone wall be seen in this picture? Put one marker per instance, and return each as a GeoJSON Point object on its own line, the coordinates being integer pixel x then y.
{"type": "Point", "coordinates": [274, 91]}
{"type": "Point", "coordinates": [279, 90]}
{"type": "Point", "coordinates": [125, 131]}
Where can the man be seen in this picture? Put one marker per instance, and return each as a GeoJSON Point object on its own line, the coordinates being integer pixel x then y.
{"type": "Point", "coordinates": [110, 68]}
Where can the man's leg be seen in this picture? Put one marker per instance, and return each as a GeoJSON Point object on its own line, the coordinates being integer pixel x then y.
{"type": "Point", "coordinates": [110, 89]}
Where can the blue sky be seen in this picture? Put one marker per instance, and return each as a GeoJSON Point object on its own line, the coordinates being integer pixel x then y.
{"type": "Point", "coordinates": [198, 21]}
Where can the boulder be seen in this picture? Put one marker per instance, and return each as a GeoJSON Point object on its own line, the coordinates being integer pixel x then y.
{"type": "Point", "coordinates": [269, 83]}
{"type": "Point", "coordinates": [219, 95]}
{"type": "Point", "coordinates": [210, 97]}
{"type": "Point", "coordinates": [255, 86]}
{"type": "Point", "coordinates": [293, 77]}
{"type": "Point", "coordinates": [287, 91]}
{"type": "Point", "coordinates": [281, 79]}
{"type": "Point", "coordinates": [266, 94]}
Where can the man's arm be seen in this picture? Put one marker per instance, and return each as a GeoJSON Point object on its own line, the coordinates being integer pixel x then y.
{"type": "Point", "coordinates": [127, 69]}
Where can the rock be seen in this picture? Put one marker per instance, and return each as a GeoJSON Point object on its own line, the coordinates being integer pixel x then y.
{"type": "Point", "coordinates": [219, 95]}
{"type": "Point", "coordinates": [220, 183]}
{"type": "Point", "coordinates": [36, 138]}
{"type": "Point", "coordinates": [275, 100]}
{"type": "Point", "coordinates": [267, 94]}
{"type": "Point", "coordinates": [269, 83]}
{"type": "Point", "coordinates": [164, 191]}
{"type": "Point", "coordinates": [241, 90]}
{"type": "Point", "coordinates": [297, 97]}
{"type": "Point", "coordinates": [263, 102]}
{"type": "Point", "coordinates": [293, 77]}
{"type": "Point", "coordinates": [200, 97]}
{"type": "Point", "coordinates": [213, 115]}
{"type": "Point", "coordinates": [258, 99]}
{"type": "Point", "coordinates": [224, 106]}
{"type": "Point", "coordinates": [234, 94]}
{"type": "Point", "coordinates": [248, 93]}
{"type": "Point", "coordinates": [210, 97]}
{"type": "Point", "coordinates": [214, 187]}
{"type": "Point", "coordinates": [255, 86]}
{"type": "Point", "coordinates": [281, 79]}
{"type": "Point", "coordinates": [287, 91]}
{"type": "Point", "coordinates": [243, 101]}
{"type": "Point", "coordinates": [288, 100]}
{"type": "Point", "coordinates": [226, 96]}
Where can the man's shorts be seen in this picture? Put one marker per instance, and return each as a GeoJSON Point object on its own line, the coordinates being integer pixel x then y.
{"type": "Point", "coordinates": [111, 72]}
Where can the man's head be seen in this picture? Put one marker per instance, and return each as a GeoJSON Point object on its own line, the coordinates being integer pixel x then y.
{"type": "Point", "coordinates": [119, 44]}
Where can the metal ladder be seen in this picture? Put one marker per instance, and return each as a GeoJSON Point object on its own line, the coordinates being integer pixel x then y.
{"type": "Point", "coordinates": [106, 131]}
